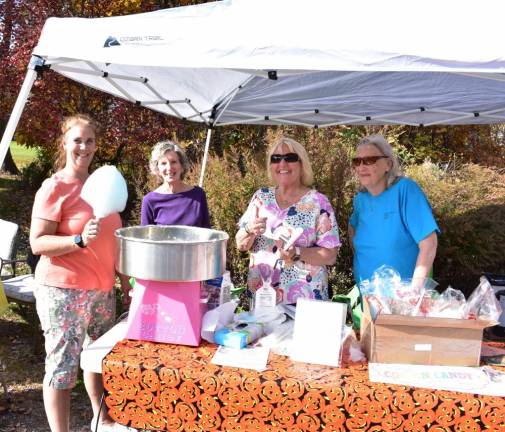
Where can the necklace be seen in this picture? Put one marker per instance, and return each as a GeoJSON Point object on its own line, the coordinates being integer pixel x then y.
{"type": "Point", "coordinates": [284, 202]}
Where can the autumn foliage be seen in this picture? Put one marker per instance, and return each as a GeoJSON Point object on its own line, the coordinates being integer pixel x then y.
{"type": "Point", "coordinates": [54, 96]}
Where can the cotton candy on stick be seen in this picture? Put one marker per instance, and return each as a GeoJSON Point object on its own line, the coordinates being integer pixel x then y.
{"type": "Point", "coordinates": [105, 191]}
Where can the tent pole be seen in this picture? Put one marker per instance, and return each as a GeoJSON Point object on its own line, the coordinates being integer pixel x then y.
{"type": "Point", "coordinates": [214, 121]}
{"type": "Point", "coordinates": [205, 155]}
{"type": "Point", "coordinates": [30, 77]}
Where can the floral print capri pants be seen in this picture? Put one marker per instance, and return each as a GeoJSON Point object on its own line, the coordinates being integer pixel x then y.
{"type": "Point", "coordinates": [71, 319]}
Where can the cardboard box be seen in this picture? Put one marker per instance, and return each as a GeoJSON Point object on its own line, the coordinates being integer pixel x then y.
{"type": "Point", "coordinates": [421, 340]}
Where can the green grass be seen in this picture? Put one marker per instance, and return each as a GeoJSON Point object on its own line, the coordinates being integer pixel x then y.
{"type": "Point", "coordinates": [22, 155]}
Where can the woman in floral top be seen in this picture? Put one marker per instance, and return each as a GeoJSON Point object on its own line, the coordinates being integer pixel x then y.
{"type": "Point", "coordinates": [289, 205]}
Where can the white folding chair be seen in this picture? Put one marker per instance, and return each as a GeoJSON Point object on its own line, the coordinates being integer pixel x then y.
{"type": "Point", "coordinates": [18, 289]}
{"type": "Point", "coordinates": [8, 249]}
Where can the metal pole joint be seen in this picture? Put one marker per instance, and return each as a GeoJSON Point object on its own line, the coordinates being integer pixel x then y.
{"type": "Point", "coordinates": [38, 64]}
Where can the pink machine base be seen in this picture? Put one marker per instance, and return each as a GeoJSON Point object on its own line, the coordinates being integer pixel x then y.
{"type": "Point", "coordinates": [168, 312]}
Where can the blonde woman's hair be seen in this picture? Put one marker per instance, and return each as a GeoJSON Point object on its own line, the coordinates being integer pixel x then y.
{"type": "Point", "coordinates": [307, 177]}
{"type": "Point", "coordinates": [159, 151]}
{"type": "Point", "coordinates": [379, 142]}
{"type": "Point", "coordinates": [65, 125]}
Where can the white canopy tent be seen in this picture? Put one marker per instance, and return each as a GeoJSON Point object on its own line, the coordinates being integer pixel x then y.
{"type": "Point", "coordinates": [314, 63]}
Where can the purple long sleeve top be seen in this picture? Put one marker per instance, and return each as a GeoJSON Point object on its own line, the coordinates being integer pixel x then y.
{"type": "Point", "coordinates": [183, 208]}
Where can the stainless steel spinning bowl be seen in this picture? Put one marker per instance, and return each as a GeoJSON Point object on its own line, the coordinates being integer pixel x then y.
{"type": "Point", "coordinates": [171, 253]}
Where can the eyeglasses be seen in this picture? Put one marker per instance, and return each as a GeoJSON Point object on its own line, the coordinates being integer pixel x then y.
{"type": "Point", "coordinates": [367, 160]}
{"type": "Point", "coordinates": [288, 157]}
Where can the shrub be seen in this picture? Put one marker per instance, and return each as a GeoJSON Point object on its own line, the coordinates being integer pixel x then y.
{"type": "Point", "coordinates": [228, 194]}
{"type": "Point", "coordinates": [36, 171]}
{"type": "Point", "coordinates": [139, 183]}
{"type": "Point", "coordinates": [469, 204]}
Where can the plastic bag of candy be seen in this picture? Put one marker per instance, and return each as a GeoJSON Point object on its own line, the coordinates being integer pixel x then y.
{"type": "Point", "coordinates": [384, 280]}
{"type": "Point", "coordinates": [426, 302]}
{"type": "Point", "coordinates": [351, 348]}
{"type": "Point", "coordinates": [387, 293]}
{"type": "Point", "coordinates": [378, 303]}
{"type": "Point", "coordinates": [483, 304]}
{"type": "Point", "coordinates": [409, 295]}
{"type": "Point", "coordinates": [450, 304]}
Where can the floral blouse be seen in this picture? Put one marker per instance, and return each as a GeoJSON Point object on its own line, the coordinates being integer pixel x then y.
{"type": "Point", "coordinates": [314, 214]}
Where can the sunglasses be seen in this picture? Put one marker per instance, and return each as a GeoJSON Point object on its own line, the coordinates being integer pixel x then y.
{"type": "Point", "coordinates": [367, 160]}
{"type": "Point", "coordinates": [288, 157]}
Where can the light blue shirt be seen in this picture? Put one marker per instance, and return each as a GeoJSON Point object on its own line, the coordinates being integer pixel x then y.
{"type": "Point", "coordinates": [388, 228]}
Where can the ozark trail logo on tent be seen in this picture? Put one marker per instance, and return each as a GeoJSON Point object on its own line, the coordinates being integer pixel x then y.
{"type": "Point", "coordinates": [111, 41]}
{"type": "Point", "coordinates": [134, 40]}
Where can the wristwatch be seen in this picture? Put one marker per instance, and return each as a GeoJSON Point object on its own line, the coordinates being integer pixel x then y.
{"type": "Point", "coordinates": [78, 241]}
{"type": "Point", "coordinates": [296, 256]}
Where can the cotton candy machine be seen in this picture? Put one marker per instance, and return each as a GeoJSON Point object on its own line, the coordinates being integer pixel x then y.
{"type": "Point", "coordinates": [169, 264]}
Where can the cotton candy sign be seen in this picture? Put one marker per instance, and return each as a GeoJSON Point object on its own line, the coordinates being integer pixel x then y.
{"type": "Point", "coordinates": [105, 191]}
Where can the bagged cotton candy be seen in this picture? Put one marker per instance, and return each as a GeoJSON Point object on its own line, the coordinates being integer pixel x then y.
{"type": "Point", "coordinates": [387, 293]}
{"type": "Point", "coordinates": [450, 304]}
{"type": "Point", "coordinates": [483, 304]}
{"type": "Point", "coordinates": [105, 191]}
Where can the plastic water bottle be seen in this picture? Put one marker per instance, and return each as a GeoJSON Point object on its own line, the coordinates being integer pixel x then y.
{"type": "Point", "coordinates": [217, 290]}
{"type": "Point", "coordinates": [226, 288]}
{"type": "Point", "coordinates": [265, 300]}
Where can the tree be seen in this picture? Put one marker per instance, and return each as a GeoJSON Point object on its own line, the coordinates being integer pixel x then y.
{"type": "Point", "coordinates": [55, 96]}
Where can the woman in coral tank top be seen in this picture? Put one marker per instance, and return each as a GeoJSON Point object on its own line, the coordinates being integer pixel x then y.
{"type": "Point", "coordinates": [75, 275]}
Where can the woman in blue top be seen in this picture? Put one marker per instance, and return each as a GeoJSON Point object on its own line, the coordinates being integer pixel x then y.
{"type": "Point", "coordinates": [392, 222]}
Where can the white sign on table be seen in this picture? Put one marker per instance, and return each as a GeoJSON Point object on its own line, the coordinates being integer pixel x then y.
{"type": "Point", "coordinates": [317, 335]}
{"type": "Point", "coordinates": [247, 358]}
{"type": "Point", "coordinates": [476, 380]}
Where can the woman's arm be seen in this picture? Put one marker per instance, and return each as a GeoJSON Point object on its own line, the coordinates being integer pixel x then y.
{"type": "Point", "coordinates": [316, 255]}
{"type": "Point", "coordinates": [244, 240]}
{"type": "Point", "coordinates": [426, 256]}
{"type": "Point", "coordinates": [319, 255]}
{"type": "Point", "coordinates": [43, 240]}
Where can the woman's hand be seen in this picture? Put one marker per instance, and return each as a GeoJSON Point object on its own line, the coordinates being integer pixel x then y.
{"type": "Point", "coordinates": [90, 231]}
{"type": "Point", "coordinates": [255, 227]}
{"type": "Point", "coordinates": [286, 255]}
{"type": "Point", "coordinates": [45, 241]}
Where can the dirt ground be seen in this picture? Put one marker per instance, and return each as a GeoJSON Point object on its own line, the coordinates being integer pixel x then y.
{"type": "Point", "coordinates": [23, 371]}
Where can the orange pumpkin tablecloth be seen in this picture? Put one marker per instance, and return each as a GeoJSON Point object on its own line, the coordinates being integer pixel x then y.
{"type": "Point", "coordinates": [176, 388]}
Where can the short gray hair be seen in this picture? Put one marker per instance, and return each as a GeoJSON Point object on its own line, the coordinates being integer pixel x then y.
{"type": "Point", "coordinates": [385, 148]}
{"type": "Point", "coordinates": [159, 151]}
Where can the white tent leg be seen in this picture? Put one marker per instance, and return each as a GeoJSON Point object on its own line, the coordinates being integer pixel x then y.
{"type": "Point", "coordinates": [205, 155]}
{"type": "Point", "coordinates": [209, 131]}
{"type": "Point", "coordinates": [30, 77]}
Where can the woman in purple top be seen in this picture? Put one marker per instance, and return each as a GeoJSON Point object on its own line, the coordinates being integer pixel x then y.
{"type": "Point", "coordinates": [174, 202]}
